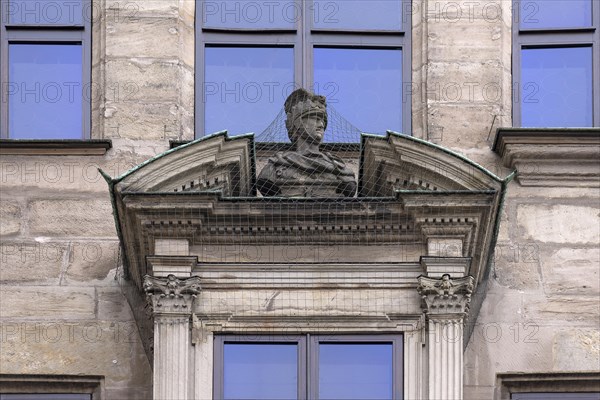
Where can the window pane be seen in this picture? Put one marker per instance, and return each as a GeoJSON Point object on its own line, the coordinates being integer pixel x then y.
{"type": "Point", "coordinates": [364, 86]}
{"type": "Point", "coordinates": [358, 14]}
{"type": "Point", "coordinates": [45, 91]}
{"type": "Point", "coordinates": [556, 85]}
{"type": "Point", "coordinates": [536, 14]}
{"type": "Point", "coordinates": [250, 14]}
{"type": "Point", "coordinates": [260, 371]}
{"type": "Point", "coordinates": [245, 87]}
{"type": "Point", "coordinates": [46, 12]}
{"type": "Point", "coordinates": [45, 396]}
{"type": "Point", "coordinates": [355, 371]}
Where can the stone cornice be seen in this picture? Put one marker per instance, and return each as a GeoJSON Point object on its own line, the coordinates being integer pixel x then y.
{"type": "Point", "coordinates": [551, 156]}
{"type": "Point", "coordinates": [446, 297]}
{"type": "Point", "coordinates": [55, 147]}
{"type": "Point", "coordinates": [171, 295]}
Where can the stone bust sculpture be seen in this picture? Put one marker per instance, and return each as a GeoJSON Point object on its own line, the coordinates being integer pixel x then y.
{"type": "Point", "coordinates": [306, 171]}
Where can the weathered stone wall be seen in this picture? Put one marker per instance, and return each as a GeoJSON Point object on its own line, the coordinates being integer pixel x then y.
{"type": "Point", "coordinates": [62, 312]}
{"type": "Point", "coordinates": [542, 309]}
{"type": "Point", "coordinates": [61, 309]}
{"type": "Point", "coordinates": [541, 313]}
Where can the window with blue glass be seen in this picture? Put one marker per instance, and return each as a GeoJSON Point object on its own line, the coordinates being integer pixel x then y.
{"type": "Point", "coordinates": [556, 63]}
{"type": "Point", "coordinates": [251, 55]}
{"type": "Point", "coordinates": [45, 69]}
{"type": "Point", "coordinates": [308, 367]}
{"type": "Point", "coordinates": [38, 396]}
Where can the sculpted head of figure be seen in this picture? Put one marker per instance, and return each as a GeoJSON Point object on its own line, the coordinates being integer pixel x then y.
{"type": "Point", "coordinates": [306, 116]}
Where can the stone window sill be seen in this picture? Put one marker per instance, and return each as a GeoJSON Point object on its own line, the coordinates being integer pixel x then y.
{"type": "Point", "coordinates": [563, 157]}
{"type": "Point", "coordinates": [59, 147]}
{"type": "Point", "coordinates": [549, 382]}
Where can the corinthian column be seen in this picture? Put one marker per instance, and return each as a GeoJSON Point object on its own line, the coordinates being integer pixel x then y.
{"type": "Point", "coordinates": [171, 300]}
{"type": "Point", "coordinates": [446, 302]}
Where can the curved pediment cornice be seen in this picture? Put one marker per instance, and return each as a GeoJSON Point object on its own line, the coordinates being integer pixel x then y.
{"type": "Point", "coordinates": [213, 163]}
{"type": "Point", "coordinates": [398, 162]}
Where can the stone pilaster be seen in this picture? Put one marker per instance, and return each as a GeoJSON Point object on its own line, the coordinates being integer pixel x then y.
{"type": "Point", "coordinates": [171, 300]}
{"type": "Point", "coordinates": [446, 303]}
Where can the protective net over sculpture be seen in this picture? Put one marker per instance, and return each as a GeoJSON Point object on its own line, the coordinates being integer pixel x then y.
{"type": "Point", "coordinates": [339, 129]}
{"type": "Point", "coordinates": [299, 216]}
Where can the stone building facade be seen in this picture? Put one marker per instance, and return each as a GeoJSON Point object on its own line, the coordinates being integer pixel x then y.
{"type": "Point", "coordinates": [72, 322]}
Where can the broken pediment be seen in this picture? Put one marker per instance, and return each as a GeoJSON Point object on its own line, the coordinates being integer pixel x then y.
{"type": "Point", "coordinates": [194, 212]}
{"type": "Point", "coordinates": [415, 199]}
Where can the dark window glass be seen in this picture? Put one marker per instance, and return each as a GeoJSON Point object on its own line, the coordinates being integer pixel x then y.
{"type": "Point", "coordinates": [45, 91]}
{"type": "Point", "coordinates": [260, 371]}
{"type": "Point", "coordinates": [245, 87]}
{"type": "Point", "coordinates": [556, 85]}
{"type": "Point", "coordinates": [363, 85]}
{"type": "Point", "coordinates": [250, 14]}
{"type": "Point", "coordinates": [46, 12]}
{"type": "Point", "coordinates": [45, 397]}
{"type": "Point", "coordinates": [538, 14]}
{"type": "Point", "coordinates": [355, 371]}
{"type": "Point", "coordinates": [358, 14]}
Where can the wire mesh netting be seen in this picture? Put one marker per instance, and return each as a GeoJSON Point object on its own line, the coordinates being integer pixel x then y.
{"type": "Point", "coordinates": [339, 129]}
{"type": "Point", "coordinates": [309, 225]}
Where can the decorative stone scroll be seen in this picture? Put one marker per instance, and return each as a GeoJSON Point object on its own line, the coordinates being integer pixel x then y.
{"type": "Point", "coordinates": [171, 294]}
{"type": "Point", "coordinates": [446, 295]}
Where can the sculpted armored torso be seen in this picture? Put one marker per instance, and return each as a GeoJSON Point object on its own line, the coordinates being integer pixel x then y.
{"type": "Point", "coordinates": [306, 171]}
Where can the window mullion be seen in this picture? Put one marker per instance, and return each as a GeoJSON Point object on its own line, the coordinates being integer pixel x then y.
{"type": "Point", "coordinates": [306, 44]}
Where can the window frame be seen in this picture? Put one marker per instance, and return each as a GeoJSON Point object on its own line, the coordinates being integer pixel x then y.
{"type": "Point", "coordinates": [47, 34]}
{"type": "Point", "coordinates": [303, 38]}
{"type": "Point", "coordinates": [221, 340]}
{"type": "Point", "coordinates": [524, 38]}
{"type": "Point", "coordinates": [308, 357]}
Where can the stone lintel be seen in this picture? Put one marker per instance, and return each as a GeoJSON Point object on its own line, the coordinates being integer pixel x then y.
{"type": "Point", "coordinates": [436, 267]}
{"type": "Point", "coordinates": [171, 296]}
{"type": "Point", "coordinates": [446, 297]}
{"type": "Point", "coordinates": [179, 266]}
{"type": "Point", "coordinates": [551, 156]}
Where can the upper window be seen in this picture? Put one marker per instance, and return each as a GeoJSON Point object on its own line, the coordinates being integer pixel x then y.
{"type": "Point", "coordinates": [45, 58]}
{"type": "Point", "coordinates": [252, 55]}
{"type": "Point", "coordinates": [315, 367]}
{"type": "Point", "coordinates": [556, 63]}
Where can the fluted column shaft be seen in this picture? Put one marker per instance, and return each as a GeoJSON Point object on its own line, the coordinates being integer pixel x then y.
{"type": "Point", "coordinates": [171, 300]}
{"type": "Point", "coordinates": [446, 303]}
{"type": "Point", "coordinates": [171, 357]}
{"type": "Point", "coordinates": [445, 359]}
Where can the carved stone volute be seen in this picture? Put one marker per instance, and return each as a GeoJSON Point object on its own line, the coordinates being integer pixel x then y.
{"type": "Point", "coordinates": [446, 296]}
{"type": "Point", "coordinates": [171, 295]}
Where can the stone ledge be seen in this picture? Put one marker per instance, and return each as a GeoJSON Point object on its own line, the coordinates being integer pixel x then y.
{"type": "Point", "coordinates": [69, 384]}
{"type": "Point", "coordinates": [565, 382]}
{"type": "Point", "coordinates": [58, 147]}
{"type": "Point", "coordinates": [563, 157]}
